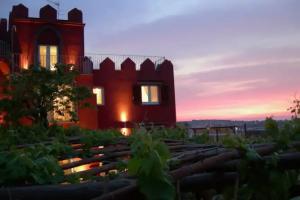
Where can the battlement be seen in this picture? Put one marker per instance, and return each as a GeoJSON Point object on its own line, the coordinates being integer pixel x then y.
{"type": "Point", "coordinates": [3, 26]}
{"type": "Point", "coordinates": [4, 39]}
{"type": "Point", "coordinates": [46, 13]}
{"type": "Point", "coordinates": [128, 65]}
{"type": "Point", "coordinates": [118, 62]}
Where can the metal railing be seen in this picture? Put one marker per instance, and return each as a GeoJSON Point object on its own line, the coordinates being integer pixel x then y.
{"type": "Point", "coordinates": [92, 61]}
{"type": "Point", "coordinates": [119, 59]}
{"type": "Point", "coordinates": [85, 63]}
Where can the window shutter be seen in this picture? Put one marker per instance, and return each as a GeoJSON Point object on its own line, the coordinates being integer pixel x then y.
{"type": "Point", "coordinates": [136, 94]}
{"type": "Point", "coordinates": [164, 92]}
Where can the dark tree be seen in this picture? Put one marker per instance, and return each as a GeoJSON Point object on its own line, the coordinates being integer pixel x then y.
{"type": "Point", "coordinates": [38, 92]}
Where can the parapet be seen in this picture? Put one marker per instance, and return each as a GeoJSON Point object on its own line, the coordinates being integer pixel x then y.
{"type": "Point", "coordinates": [165, 66]}
{"type": "Point", "coordinates": [147, 66]}
{"type": "Point", "coordinates": [128, 65]}
{"type": "Point", "coordinates": [47, 13]}
{"type": "Point", "coordinates": [75, 15]}
{"type": "Point", "coordinates": [107, 65]}
{"type": "Point", "coordinates": [19, 11]}
{"type": "Point", "coordinates": [3, 25]}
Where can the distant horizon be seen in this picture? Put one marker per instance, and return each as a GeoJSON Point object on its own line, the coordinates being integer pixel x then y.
{"type": "Point", "coordinates": [237, 119]}
{"type": "Point", "coordinates": [241, 118]}
{"type": "Point", "coordinates": [232, 59]}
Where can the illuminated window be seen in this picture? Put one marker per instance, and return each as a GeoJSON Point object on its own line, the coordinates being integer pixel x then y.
{"type": "Point", "coordinates": [48, 56]}
{"type": "Point", "coordinates": [62, 108]}
{"type": "Point", "coordinates": [99, 95]}
{"type": "Point", "coordinates": [150, 94]}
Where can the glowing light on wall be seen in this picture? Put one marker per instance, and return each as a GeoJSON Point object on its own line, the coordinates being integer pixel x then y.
{"type": "Point", "coordinates": [126, 131]}
{"type": "Point", "coordinates": [24, 61]}
{"type": "Point", "coordinates": [25, 64]}
{"type": "Point", "coordinates": [123, 117]}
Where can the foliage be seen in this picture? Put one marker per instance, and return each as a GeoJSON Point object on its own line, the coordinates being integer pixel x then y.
{"type": "Point", "coordinates": [168, 133]}
{"type": "Point", "coordinates": [262, 179]}
{"type": "Point", "coordinates": [37, 161]}
{"type": "Point", "coordinates": [31, 165]}
{"type": "Point", "coordinates": [282, 136]}
{"type": "Point", "coordinates": [202, 138]}
{"type": "Point", "coordinates": [24, 135]}
{"type": "Point", "coordinates": [98, 138]}
{"type": "Point", "coordinates": [236, 142]}
{"type": "Point", "coordinates": [295, 109]}
{"type": "Point", "coordinates": [34, 93]}
{"type": "Point", "coordinates": [271, 127]}
{"type": "Point", "coordinates": [149, 164]}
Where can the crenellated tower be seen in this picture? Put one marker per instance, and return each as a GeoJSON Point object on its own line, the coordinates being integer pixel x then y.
{"type": "Point", "coordinates": [46, 40]}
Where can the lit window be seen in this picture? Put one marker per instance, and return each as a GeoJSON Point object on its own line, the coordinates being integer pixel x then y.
{"type": "Point", "coordinates": [150, 94]}
{"type": "Point", "coordinates": [99, 95]}
{"type": "Point", "coordinates": [62, 108]}
{"type": "Point", "coordinates": [48, 56]}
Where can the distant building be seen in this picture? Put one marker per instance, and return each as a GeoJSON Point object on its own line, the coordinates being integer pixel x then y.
{"type": "Point", "coordinates": [218, 128]}
{"type": "Point", "coordinates": [123, 95]}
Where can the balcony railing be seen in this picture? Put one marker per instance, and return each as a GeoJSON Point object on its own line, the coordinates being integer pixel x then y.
{"type": "Point", "coordinates": [85, 63]}
{"type": "Point", "coordinates": [119, 59]}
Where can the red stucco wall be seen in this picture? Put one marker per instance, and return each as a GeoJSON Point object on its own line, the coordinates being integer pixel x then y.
{"type": "Point", "coordinates": [121, 108]}
{"type": "Point", "coordinates": [30, 31]}
{"type": "Point", "coordinates": [119, 98]}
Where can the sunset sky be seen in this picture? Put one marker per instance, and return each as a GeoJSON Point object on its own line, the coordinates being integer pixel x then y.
{"type": "Point", "coordinates": [233, 59]}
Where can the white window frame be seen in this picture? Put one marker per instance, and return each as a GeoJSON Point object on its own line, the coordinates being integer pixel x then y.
{"type": "Point", "coordinates": [150, 102]}
{"type": "Point", "coordinates": [48, 56]}
{"type": "Point", "coordinates": [97, 95]}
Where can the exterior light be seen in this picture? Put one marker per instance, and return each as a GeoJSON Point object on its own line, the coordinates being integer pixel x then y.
{"type": "Point", "coordinates": [123, 117]}
{"type": "Point", "coordinates": [125, 131]}
{"type": "Point", "coordinates": [25, 64]}
{"type": "Point", "coordinates": [72, 67]}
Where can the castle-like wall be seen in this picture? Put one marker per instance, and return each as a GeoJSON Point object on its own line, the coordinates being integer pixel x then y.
{"type": "Point", "coordinates": [47, 29]}
{"type": "Point", "coordinates": [122, 87]}
{"type": "Point", "coordinates": [121, 104]}
{"type": "Point", "coordinates": [88, 116]}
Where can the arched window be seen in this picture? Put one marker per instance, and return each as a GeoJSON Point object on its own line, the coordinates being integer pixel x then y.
{"type": "Point", "coordinates": [48, 44]}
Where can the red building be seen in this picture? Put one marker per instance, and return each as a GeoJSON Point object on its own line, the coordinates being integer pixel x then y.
{"type": "Point", "coordinates": [128, 90]}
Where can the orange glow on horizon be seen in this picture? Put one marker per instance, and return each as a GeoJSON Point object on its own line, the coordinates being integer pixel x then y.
{"type": "Point", "coordinates": [239, 112]}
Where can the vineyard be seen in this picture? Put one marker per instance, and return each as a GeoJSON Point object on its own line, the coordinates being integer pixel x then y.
{"type": "Point", "coordinates": [58, 163]}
